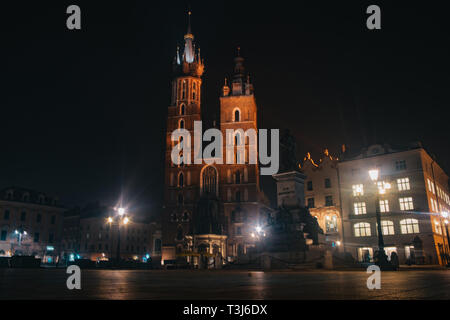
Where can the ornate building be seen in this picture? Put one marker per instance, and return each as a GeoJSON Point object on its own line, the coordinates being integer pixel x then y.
{"type": "Point", "coordinates": [210, 209]}
{"type": "Point", "coordinates": [322, 195]}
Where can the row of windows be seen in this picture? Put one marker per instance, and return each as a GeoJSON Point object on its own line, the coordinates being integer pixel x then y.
{"type": "Point", "coordinates": [237, 176]}
{"type": "Point", "coordinates": [441, 193]}
{"type": "Point", "coordinates": [23, 216]}
{"type": "Point", "coordinates": [407, 226]}
{"type": "Point", "coordinates": [183, 85]}
{"type": "Point", "coordinates": [400, 165]}
{"type": "Point", "coordinates": [328, 202]}
{"type": "Point", "coordinates": [327, 184]}
{"type": "Point", "coordinates": [402, 185]}
{"type": "Point", "coordinates": [405, 205]}
{"type": "Point", "coordinates": [36, 236]}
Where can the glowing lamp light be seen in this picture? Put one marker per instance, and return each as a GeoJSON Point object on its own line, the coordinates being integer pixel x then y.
{"type": "Point", "coordinates": [258, 229]}
{"type": "Point", "coordinates": [121, 211]}
{"type": "Point", "coordinates": [16, 232]}
{"type": "Point", "coordinates": [110, 220]}
{"type": "Point", "coordinates": [446, 221]}
{"type": "Point", "coordinates": [126, 220]}
{"type": "Point", "coordinates": [252, 234]}
{"type": "Point", "coordinates": [338, 243]}
{"type": "Point", "coordinates": [25, 233]}
{"type": "Point", "coordinates": [445, 214]}
{"type": "Point", "coordinates": [373, 174]}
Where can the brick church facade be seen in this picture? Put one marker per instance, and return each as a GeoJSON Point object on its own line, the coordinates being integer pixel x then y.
{"type": "Point", "coordinates": [210, 210]}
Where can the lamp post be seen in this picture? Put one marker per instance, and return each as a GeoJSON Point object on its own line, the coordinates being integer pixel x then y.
{"type": "Point", "coordinates": [20, 233]}
{"type": "Point", "coordinates": [121, 219]}
{"type": "Point", "coordinates": [382, 257]}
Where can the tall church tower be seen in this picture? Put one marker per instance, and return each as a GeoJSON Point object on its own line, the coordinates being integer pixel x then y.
{"type": "Point", "coordinates": [240, 181]}
{"type": "Point", "coordinates": [181, 191]}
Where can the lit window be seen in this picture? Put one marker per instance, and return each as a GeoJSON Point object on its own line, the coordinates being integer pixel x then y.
{"type": "Point", "coordinates": [409, 226]}
{"type": "Point", "coordinates": [183, 90]}
{"type": "Point", "coordinates": [360, 208]}
{"type": "Point", "coordinates": [387, 228]}
{"type": "Point", "coordinates": [362, 229]}
{"type": "Point", "coordinates": [358, 190]}
{"type": "Point", "coordinates": [437, 227]}
{"type": "Point", "coordinates": [403, 184]}
{"type": "Point", "coordinates": [400, 165]}
{"type": "Point", "coordinates": [430, 186]}
{"type": "Point", "coordinates": [406, 203]}
{"type": "Point", "coordinates": [384, 206]}
{"type": "Point", "coordinates": [331, 223]}
{"type": "Point", "coordinates": [433, 205]}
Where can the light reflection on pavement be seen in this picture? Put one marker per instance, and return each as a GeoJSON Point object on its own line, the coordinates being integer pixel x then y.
{"type": "Point", "coordinates": [195, 284]}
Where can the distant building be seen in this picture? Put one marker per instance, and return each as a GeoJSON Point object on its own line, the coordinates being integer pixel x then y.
{"type": "Point", "coordinates": [88, 234]}
{"type": "Point", "coordinates": [341, 195]}
{"type": "Point", "coordinates": [322, 196]}
{"type": "Point", "coordinates": [411, 209]}
{"type": "Point", "coordinates": [30, 224]}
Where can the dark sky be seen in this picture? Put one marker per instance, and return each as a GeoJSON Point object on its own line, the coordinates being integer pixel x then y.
{"type": "Point", "coordinates": [83, 112]}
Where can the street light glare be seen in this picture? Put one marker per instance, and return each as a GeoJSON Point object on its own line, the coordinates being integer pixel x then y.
{"type": "Point", "coordinates": [373, 174]}
{"type": "Point", "coordinates": [125, 220]}
{"type": "Point", "coordinates": [110, 220]}
{"type": "Point", "coordinates": [121, 211]}
{"type": "Point", "coordinates": [258, 229]}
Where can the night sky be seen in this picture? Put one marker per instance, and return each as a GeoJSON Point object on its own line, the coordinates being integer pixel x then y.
{"type": "Point", "coordinates": [83, 112]}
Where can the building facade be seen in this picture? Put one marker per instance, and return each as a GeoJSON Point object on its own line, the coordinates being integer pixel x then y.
{"type": "Point", "coordinates": [411, 195]}
{"type": "Point", "coordinates": [31, 223]}
{"type": "Point", "coordinates": [322, 196]}
{"type": "Point", "coordinates": [230, 191]}
{"type": "Point", "coordinates": [89, 234]}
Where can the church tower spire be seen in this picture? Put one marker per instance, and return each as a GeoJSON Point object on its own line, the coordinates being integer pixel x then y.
{"type": "Point", "coordinates": [189, 53]}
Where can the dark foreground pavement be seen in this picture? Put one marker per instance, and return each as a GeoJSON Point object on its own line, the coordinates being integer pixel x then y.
{"type": "Point", "coordinates": [194, 284]}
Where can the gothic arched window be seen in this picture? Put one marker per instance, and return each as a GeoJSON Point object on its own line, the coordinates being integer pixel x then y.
{"type": "Point", "coordinates": [194, 90]}
{"type": "Point", "coordinates": [237, 177]}
{"type": "Point", "coordinates": [182, 109]}
{"type": "Point", "coordinates": [183, 90]}
{"type": "Point", "coordinates": [181, 124]}
{"type": "Point", "coordinates": [181, 180]}
{"type": "Point", "coordinates": [237, 115]}
{"type": "Point", "coordinates": [209, 180]}
{"type": "Point", "coordinates": [237, 139]}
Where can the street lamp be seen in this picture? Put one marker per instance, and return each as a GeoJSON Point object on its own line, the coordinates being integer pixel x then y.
{"type": "Point", "coordinates": [382, 257]}
{"type": "Point", "coordinates": [121, 219]}
{"type": "Point", "coordinates": [20, 234]}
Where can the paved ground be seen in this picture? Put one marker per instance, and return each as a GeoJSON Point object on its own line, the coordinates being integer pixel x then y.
{"type": "Point", "coordinates": [194, 284]}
